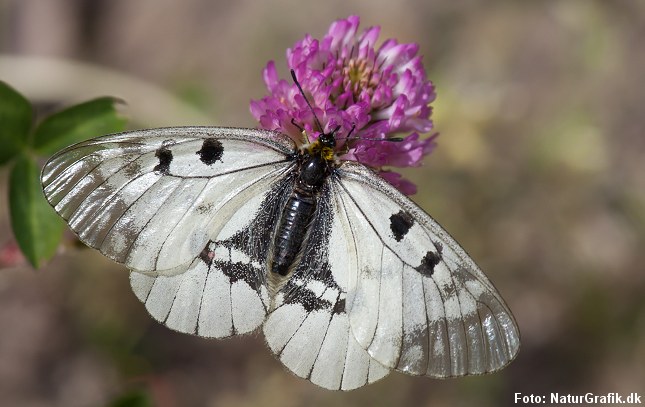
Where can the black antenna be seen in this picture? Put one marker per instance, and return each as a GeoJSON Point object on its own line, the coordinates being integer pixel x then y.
{"type": "Point", "coordinates": [293, 121]}
{"type": "Point", "coordinates": [392, 139]}
{"type": "Point", "coordinates": [322, 131]}
{"type": "Point", "coordinates": [347, 137]}
{"type": "Point", "coordinates": [302, 92]}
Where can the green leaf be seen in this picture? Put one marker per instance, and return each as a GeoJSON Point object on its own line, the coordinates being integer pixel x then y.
{"type": "Point", "coordinates": [37, 228]}
{"type": "Point", "coordinates": [15, 121]}
{"type": "Point", "coordinates": [133, 398]}
{"type": "Point", "coordinates": [76, 124]}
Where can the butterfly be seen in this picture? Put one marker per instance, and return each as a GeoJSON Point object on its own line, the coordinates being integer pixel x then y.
{"type": "Point", "coordinates": [229, 230]}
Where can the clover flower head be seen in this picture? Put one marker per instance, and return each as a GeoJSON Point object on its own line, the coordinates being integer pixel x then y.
{"type": "Point", "coordinates": [380, 92]}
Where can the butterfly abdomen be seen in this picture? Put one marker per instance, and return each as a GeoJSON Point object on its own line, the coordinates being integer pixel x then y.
{"type": "Point", "coordinates": [297, 213]}
{"type": "Point", "coordinates": [296, 217]}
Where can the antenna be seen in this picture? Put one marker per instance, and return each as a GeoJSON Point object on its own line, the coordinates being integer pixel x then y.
{"type": "Point", "coordinates": [346, 138]}
{"type": "Point", "coordinates": [392, 139]}
{"type": "Point", "coordinates": [302, 92]}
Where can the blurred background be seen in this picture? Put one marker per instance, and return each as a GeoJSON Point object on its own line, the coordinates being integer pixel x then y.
{"type": "Point", "coordinates": [539, 174]}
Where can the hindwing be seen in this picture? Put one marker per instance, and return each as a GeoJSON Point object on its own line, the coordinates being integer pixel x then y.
{"type": "Point", "coordinates": [224, 291]}
{"type": "Point", "coordinates": [308, 327]}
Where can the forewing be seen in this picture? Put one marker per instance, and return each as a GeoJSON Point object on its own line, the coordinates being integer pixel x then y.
{"type": "Point", "coordinates": [223, 292]}
{"type": "Point", "coordinates": [152, 199]}
{"type": "Point", "coordinates": [308, 327]}
{"type": "Point", "coordinates": [416, 301]}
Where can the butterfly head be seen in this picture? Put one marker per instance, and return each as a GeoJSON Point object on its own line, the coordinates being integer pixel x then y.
{"type": "Point", "coordinates": [324, 146]}
{"type": "Point", "coordinates": [328, 140]}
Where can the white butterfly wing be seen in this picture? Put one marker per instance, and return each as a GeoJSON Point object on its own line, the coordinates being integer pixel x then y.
{"type": "Point", "coordinates": [193, 208]}
{"type": "Point", "coordinates": [223, 292]}
{"type": "Point", "coordinates": [416, 301]}
{"type": "Point", "coordinates": [152, 199]}
{"type": "Point", "coordinates": [308, 327]}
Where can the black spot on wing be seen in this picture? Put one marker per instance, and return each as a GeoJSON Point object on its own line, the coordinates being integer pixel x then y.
{"type": "Point", "coordinates": [400, 224]}
{"type": "Point", "coordinates": [428, 263]}
{"type": "Point", "coordinates": [207, 255]}
{"type": "Point", "coordinates": [211, 151]}
{"type": "Point", "coordinates": [165, 158]}
{"type": "Point", "coordinates": [339, 307]}
{"type": "Point", "coordinates": [308, 299]}
{"type": "Point", "coordinates": [235, 271]}
{"type": "Point", "coordinates": [438, 246]}
{"type": "Point", "coordinates": [241, 271]}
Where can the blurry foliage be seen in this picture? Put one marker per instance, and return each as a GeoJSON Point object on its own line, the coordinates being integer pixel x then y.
{"type": "Point", "coordinates": [133, 398]}
{"type": "Point", "coordinates": [36, 227]}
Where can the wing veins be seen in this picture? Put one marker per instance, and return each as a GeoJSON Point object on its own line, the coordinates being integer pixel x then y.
{"type": "Point", "coordinates": [150, 290]}
{"type": "Point", "coordinates": [301, 322]}
{"type": "Point", "coordinates": [481, 330]}
{"type": "Point", "coordinates": [178, 222]}
{"type": "Point", "coordinates": [102, 183]}
{"type": "Point", "coordinates": [107, 201]}
{"type": "Point", "coordinates": [425, 310]}
{"type": "Point", "coordinates": [197, 198]}
{"type": "Point", "coordinates": [463, 324]}
{"type": "Point", "coordinates": [493, 293]}
{"type": "Point", "coordinates": [451, 272]}
{"type": "Point", "coordinates": [398, 358]}
{"type": "Point", "coordinates": [480, 317]}
{"type": "Point", "coordinates": [324, 337]}
{"type": "Point", "coordinates": [69, 168]}
{"type": "Point", "coordinates": [172, 304]}
{"type": "Point", "coordinates": [97, 155]}
{"type": "Point", "coordinates": [427, 228]}
{"type": "Point", "coordinates": [445, 322]}
{"type": "Point", "coordinates": [209, 177]}
{"type": "Point", "coordinates": [372, 226]}
{"type": "Point", "coordinates": [294, 333]}
{"type": "Point", "coordinates": [183, 140]}
{"type": "Point", "coordinates": [127, 208]}
{"type": "Point", "coordinates": [201, 298]}
{"type": "Point", "coordinates": [344, 208]}
{"type": "Point", "coordinates": [129, 250]}
{"type": "Point", "coordinates": [230, 295]}
{"type": "Point", "coordinates": [497, 324]}
{"type": "Point", "coordinates": [380, 288]}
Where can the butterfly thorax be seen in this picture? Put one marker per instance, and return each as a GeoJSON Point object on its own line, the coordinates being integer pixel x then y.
{"type": "Point", "coordinates": [313, 172]}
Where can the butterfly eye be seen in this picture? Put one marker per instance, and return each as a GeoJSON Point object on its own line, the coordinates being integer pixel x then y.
{"type": "Point", "coordinates": [328, 139]}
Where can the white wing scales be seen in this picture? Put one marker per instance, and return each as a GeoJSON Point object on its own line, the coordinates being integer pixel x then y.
{"type": "Point", "coordinates": [419, 304]}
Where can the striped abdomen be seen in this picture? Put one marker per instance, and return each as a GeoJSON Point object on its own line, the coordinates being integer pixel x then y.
{"type": "Point", "coordinates": [291, 231]}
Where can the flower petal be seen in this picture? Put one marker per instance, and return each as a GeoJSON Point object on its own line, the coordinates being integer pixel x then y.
{"type": "Point", "coordinates": [374, 93]}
